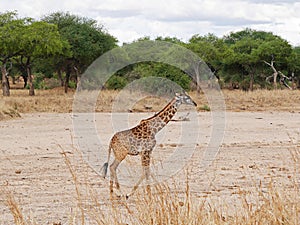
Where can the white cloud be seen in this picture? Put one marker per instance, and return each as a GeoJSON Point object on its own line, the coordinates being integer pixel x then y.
{"type": "Point", "coordinates": [131, 19]}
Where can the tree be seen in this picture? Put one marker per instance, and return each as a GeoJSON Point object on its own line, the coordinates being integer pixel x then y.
{"type": "Point", "coordinates": [248, 50]}
{"type": "Point", "coordinates": [235, 37]}
{"type": "Point", "coordinates": [39, 40]}
{"type": "Point", "coordinates": [294, 65]}
{"type": "Point", "coordinates": [283, 78]}
{"type": "Point", "coordinates": [10, 29]}
{"type": "Point", "coordinates": [88, 40]}
{"type": "Point", "coordinates": [277, 50]}
{"type": "Point", "coordinates": [210, 49]}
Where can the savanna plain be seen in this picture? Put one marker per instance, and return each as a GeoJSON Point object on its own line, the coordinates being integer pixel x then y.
{"type": "Point", "coordinates": [254, 178]}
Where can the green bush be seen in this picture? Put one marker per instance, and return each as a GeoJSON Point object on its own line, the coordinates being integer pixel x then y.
{"type": "Point", "coordinates": [72, 84]}
{"type": "Point", "coordinates": [38, 81]}
{"type": "Point", "coordinates": [116, 82]}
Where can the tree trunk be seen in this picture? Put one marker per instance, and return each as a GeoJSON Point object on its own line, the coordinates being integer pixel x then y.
{"type": "Point", "coordinates": [68, 74]}
{"type": "Point", "coordinates": [275, 74]}
{"type": "Point", "coordinates": [77, 76]}
{"type": "Point", "coordinates": [59, 74]}
{"type": "Point", "coordinates": [67, 83]}
{"type": "Point", "coordinates": [25, 81]}
{"type": "Point", "coordinates": [78, 85]}
{"type": "Point", "coordinates": [29, 77]}
{"type": "Point", "coordinates": [251, 82]}
{"type": "Point", "coordinates": [14, 80]}
{"type": "Point", "coordinates": [5, 84]}
{"type": "Point", "coordinates": [30, 81]}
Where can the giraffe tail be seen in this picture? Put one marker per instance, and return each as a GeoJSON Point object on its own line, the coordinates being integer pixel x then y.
{"type": "Point", "coordinates": [105, 166]}
{"type": "Point", "coordinates": [104, 169]}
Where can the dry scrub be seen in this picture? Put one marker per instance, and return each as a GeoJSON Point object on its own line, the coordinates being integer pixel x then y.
{"type": "Point", "coordinates": [57, 101]}
{"type": "Point", "coordinates": [263, 100]}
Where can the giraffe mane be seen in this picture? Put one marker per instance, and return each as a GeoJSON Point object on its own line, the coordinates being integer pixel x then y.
{"type": "Point", "coordinates": [160, 112]}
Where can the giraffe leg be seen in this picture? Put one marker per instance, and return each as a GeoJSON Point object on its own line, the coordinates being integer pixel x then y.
{"type": "Point", "coordinates": [146, 173]}
{"type": "Point", "coordinates": [136, 186]}
{"type": "Point", "coordinates": [146, 168]}
{"type": "Point", "coordinates": [113, 175]}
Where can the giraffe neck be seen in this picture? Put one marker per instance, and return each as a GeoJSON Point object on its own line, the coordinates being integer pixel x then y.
{"type": "Point", "coordinates": [160, 119]}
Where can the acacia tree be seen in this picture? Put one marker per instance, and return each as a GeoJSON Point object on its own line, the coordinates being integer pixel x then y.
{"type": "Point", "coordinates": [39, 40]}
{"type": "Point", "coordinates": [275, 51]}
{"type": "Point", "coordinates": [88, 40]}
{"type": "Point", "coordinates": [210, 49]}
{"type": "Point", "coordinates": [10, 35]}
{"type": "Point", "coordinates": [242, 58]}
{"type": "Point", "coordinates": [248, 49]}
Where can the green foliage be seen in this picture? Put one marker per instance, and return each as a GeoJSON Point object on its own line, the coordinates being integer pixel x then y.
{"type": "Point", "coordinates": [150, 69]}
{"type": "Point", "coordinates": [235, 37]}
{"type": "Point", "coordinates": [205, 108]}
{"type": "Point", "coordinates": [116, 82]}
{"type": "Point", "coordinates": [247, 51]}
{"type": "Point", "coordinates": [72, 84]}
{"type": "Point", "coordinates": [39, 82]}
{"type": "Point", "coordinates": [277, 49]}
{"type": "Point", "coordinates": [11, 31]}
{"type": "Point", "coordinates": [209, 48]}
{"type": "Point", "coordinates": [293, 62]}
{"type": "Point", "coordinates": [163, 70]}
{"type": "Point", "coordinates": [87, 39]}
{"type": "Point", "coordinates": [62, 43]}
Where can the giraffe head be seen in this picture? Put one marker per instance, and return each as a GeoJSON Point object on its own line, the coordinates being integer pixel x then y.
{"type": "Point", "coordinates": [184, 98]}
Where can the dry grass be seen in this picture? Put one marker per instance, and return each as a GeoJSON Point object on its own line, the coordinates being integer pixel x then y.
{"type": "Point", "coordinates": [263, 100]}
{"type": "Point", "coordinates": [14, 207]}
{"type": "Point", "coordinates": [44, 101]}
{"type": "Point", "coordinates": [168, 203]}
{"type": "Point", "coordinates": [56, 100]}
{"type": "Point", "coordinates": [173, 203]}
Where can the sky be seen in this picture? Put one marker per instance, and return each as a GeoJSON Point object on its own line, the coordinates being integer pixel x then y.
{"type": "Point", "coordinates": [132, 19]}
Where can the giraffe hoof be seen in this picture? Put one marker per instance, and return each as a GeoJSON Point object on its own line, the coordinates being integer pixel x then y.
{"type": "Point", "coordinates": [115, 197]}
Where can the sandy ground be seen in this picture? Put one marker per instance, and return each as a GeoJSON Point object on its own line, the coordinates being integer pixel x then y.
{"type": "Point", "coordinates": [256, 149]}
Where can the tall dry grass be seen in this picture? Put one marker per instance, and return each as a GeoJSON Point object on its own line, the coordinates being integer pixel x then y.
{"type": "Point", "coordinates": [172, 203]}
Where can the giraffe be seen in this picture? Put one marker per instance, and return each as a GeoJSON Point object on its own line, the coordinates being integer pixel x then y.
{"type": "Point", "coordinates": [140, 140]}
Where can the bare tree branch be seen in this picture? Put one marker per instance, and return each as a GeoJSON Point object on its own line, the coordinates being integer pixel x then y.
{"type": "Point", "coordinates": [284, 78]}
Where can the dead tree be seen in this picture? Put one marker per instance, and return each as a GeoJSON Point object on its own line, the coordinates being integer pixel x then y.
{"type": "Point", "coordinates": [283, 78]}
{"type": "Point", "coordinates": [274, 75]}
